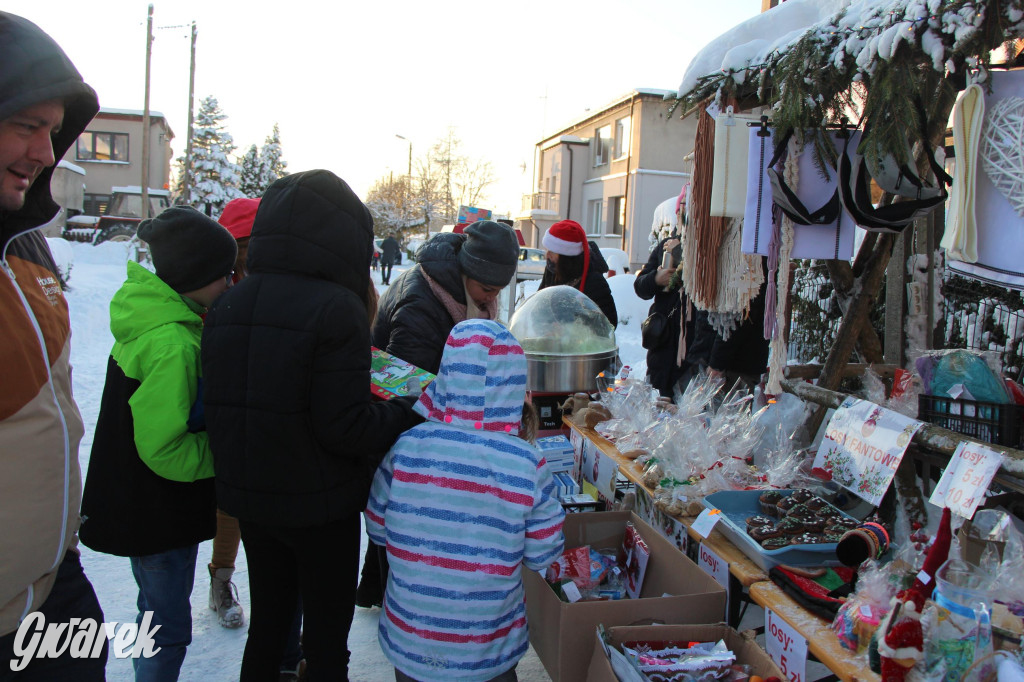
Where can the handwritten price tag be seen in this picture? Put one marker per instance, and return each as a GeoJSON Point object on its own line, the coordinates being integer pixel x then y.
{"type": "Point", "coordinates": [966, 478]}
{"type": "Point", "coordinates": [715, 566]}
{"type": "Point", "coordinates": [786, 646]}
{"type": "Point", "coordinates": [705, 522]}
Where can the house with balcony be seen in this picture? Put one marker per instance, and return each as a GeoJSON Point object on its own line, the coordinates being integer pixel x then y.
{"type": "Point", "coordinates": [110, 153]}
{"type": "Point", "coordinates": [609, 170]}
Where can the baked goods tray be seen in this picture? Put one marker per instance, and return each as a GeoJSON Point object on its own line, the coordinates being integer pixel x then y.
{"type": "Point", "coordinates": [736, 506]}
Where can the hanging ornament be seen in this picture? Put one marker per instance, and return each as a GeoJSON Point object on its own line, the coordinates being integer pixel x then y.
{"type": "Point", "coordinates": [1002, 150]}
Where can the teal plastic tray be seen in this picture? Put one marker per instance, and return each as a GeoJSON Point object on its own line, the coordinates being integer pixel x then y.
{"type": "Point", "coordinates": [736, 506]}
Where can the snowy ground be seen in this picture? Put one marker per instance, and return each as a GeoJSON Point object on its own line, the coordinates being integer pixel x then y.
{"type": "Point", "coordinates": [216, 653]}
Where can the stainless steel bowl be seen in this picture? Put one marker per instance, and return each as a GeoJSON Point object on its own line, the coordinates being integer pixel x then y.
{"type": "Point", "coordinates": [546, 373]}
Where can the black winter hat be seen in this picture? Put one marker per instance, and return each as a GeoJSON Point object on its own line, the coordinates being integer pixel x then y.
{"type": "Point", "coordinates": [189, 249]}
{"type": "Point", "coordinates": [490, 253]}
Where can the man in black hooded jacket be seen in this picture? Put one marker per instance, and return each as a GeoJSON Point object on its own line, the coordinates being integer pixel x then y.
{"type": "Point", "coordinates": [44, 106]}
{"type": "Point", "coordinates": [296, 437]}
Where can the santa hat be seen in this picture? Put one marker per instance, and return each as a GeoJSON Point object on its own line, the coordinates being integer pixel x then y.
{"type": "Point", "coordinates": [567, 238]}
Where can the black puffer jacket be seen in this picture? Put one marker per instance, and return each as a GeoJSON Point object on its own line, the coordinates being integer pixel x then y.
{"type": "Point", "coordinates": [661, 361]}
{"type": "Point", "coordinates": [595, 287]}
{"type": "Point", "coordinates": [286, 360]}
{"type": "Point", "coordinates": [411, 323]}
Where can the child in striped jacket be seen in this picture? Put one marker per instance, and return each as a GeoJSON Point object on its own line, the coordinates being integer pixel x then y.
{"type": "Point", "coordinates": [462, 504]}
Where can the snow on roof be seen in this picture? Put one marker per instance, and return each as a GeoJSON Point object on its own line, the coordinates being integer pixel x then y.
{"type": "Point", "coordinates": [135, 112]}
{"type": "Point", "coordinates": [71, 167]}
{"type": "Point", "coordinates": [745, 44]}
{"type": "Point", "coordinates": [137, 189]}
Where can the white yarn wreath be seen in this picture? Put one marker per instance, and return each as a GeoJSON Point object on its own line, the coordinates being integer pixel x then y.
{"type": "Point", "coordinates": [1002, 150]}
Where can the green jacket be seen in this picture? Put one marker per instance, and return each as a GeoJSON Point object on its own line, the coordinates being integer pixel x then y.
{"type": "Point", "coordinates": [148, 467]}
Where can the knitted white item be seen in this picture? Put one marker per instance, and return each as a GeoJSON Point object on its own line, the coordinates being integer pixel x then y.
{"type": "Point", "coordinates": [1002, 155]}
{"type": "Point", "coordinates": [961, 236]}
{"type": "Point", "coordinates": [779, 352]}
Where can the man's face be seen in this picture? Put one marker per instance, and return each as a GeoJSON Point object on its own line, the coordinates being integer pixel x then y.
{"type": "Point", "coordinates": [482, 294]}
{"type": "Point", "coordinates": [26, 149]}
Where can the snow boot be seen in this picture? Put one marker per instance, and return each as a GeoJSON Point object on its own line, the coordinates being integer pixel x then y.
{"type": "Point", "coordinates": [297, 675]}
{"type": "Point", "coordinates": [224, 598]}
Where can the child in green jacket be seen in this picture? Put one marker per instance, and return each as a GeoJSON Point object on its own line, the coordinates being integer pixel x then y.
{"type": "Point", "coordinates": [149, 493]}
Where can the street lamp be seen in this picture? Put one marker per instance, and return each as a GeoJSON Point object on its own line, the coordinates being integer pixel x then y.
{"type": "Point", "coordinates": [408, 187]}
{"type": "Point", "coordinates": [400, 137]}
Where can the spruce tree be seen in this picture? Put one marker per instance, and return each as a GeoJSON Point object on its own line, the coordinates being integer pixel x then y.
{"type": "Point", "coordinates": [272, 165]}
{"type": "Point", "coordinates": [215, 178]}
{"type": "Point", "coordinates": [251, 183]}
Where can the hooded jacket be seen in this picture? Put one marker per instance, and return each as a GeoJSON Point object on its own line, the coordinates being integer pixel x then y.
{"type": "Point", "coordinates": [150, 483]}
{"type": "Point", "coordinates": [463, 505]}
{"type": "Point", "coordinates": [412, 323]}
{"type": "Point", "coordinates": [595, 286]}
{"type": "Point", "coordinates": [40, 426]}
{"type": "Point", "coordinates": [286, 363]}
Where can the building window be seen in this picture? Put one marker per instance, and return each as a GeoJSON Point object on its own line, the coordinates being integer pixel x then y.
{"type": "Point", "coordinates": [596, 211]}
{"type": "Point", "coordinates": [95, 204]}
{"type": "Point", "coordinates": [616, 215]}
{"type": "Point", "coordinates": [94, 146]}
{"type": "Point", "coordinates": [602, 145]}
{"type": "Point", "coordinates": [622, 132]}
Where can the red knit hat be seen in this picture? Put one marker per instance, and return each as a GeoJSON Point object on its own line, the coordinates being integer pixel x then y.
{"type": "Point", "coordinates": [567, 238]}
{"type": "Point", "coordinates": [239, 215]}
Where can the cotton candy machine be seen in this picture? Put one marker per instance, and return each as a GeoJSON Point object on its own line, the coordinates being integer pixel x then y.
{"type": "Point", "coordinates": [567, 340]}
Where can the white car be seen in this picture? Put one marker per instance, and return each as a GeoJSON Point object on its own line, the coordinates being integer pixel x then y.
{"type": "Point", "coordinates": [531, 263]}
{"type": "Point", "coordinates": [618, 261]}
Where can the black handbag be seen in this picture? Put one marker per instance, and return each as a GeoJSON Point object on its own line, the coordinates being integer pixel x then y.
{"type": "Point", "coordinates": [655, 331]}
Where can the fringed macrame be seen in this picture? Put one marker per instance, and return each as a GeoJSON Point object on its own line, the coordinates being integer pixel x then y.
{"type": "Point", "coordinates": [703, 235]}
{"type": "Point", "coordinates": [775, 301]}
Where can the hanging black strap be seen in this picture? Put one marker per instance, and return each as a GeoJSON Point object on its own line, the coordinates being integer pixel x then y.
{"type": "Point", "coordinates": [790, 203]}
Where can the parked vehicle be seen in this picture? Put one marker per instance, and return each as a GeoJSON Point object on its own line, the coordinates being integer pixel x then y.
{"type": "Point", "coordinates": [531, 263]}
{"type": "Point", "coordinates": [122, 217]}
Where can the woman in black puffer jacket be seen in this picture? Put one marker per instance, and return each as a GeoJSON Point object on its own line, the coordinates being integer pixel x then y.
{"type": "Point", "coordinates": [295, 434]}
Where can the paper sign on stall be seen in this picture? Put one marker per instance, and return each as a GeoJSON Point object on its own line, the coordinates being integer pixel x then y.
{"type": "Point", "coordinates": [863, 446]}
{"type": "Point", "coordinates": [705, 522]}
{"type": "Point", "coordinates": [966, 478]}
{"type": "Point", "coordinates": [786, 646]}
{"type": "Point", "coordinates": [715, 566]}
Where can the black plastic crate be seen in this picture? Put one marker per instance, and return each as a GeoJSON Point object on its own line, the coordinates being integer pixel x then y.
{"type": "Point", "coordinates": [990, 422]}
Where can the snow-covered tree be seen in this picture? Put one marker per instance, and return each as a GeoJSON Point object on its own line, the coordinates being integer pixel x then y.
{"type": "Point", "coordinates": [272, 165]}
{"type": "Point", "coordinates": [251, 173]}
{"type": "Point", "coordinates": [215, 177]}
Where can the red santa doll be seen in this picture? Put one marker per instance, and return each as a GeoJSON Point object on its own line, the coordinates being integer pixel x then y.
{"type": "Point", "coordinates": [902, 644]}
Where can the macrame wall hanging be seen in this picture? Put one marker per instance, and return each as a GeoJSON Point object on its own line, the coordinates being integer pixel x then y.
{"type": "Point", "coordinates": [717, 276]}
{"type": "Point", "coordinates": [1002, 150]}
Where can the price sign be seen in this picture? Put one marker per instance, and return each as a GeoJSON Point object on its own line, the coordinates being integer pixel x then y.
{"type": "Point", "coordinates": [786, 646]}
{"type": "Point", "coordinates": [705, 522]}
{"type": "Point", "coordinates": [966, 478]}
{"type": "Point", "coordinates": [715, 566]}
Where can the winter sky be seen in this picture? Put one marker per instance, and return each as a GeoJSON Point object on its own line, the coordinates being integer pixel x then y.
{"type": "Point", "coordinates": [343, 79]}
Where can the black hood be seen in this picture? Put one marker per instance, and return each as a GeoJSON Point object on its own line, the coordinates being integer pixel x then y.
{"type": "Point", "coordinates": [312, 224]}
{"type": "Point", "coordinates": [34, 70]}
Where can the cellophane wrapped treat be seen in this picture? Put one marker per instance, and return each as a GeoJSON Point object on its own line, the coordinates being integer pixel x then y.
{"type": "Point", "coordinates": [859, 617]}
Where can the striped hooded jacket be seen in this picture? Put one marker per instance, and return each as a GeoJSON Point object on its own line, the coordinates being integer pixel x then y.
{"type": "Point", "coordinates": [462, 505]}
{"type": "Point", "coordinates": [40, 426]}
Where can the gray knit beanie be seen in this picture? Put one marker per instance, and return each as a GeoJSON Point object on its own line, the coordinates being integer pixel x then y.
{"type": "Point", "coordinates": [189, 249]}
{"type": "Point", "coordinates": [490, 253]}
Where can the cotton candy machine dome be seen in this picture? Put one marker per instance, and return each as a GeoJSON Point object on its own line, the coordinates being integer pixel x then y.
{"type": "Point", "coordinates": [567, 340]}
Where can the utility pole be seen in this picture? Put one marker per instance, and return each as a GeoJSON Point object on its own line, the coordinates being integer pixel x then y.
{"type": "Point", "coordinates": [145, 118]}
{"type": "Point", "coordinates": [187, 171]}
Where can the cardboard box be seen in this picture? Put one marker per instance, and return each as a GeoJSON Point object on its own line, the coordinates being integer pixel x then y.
{"type": "Point", "coordinates": [747, 650]}
{"type": "Point", "coordinates": [675, 591]}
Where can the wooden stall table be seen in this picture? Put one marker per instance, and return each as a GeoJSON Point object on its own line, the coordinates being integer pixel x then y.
{"type": "Point", "coordinates": [742, 571]}
{"type": "Point", "coordinates": [821, 641]}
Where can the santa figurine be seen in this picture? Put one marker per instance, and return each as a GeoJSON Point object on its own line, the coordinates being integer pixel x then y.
{"type": "Point", "coordinates": [902, 643]}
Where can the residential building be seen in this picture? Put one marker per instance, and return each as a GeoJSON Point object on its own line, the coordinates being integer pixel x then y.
{"type": "Point", "coordinates": [110, 151]}
{"type": "Point", "coordinates": [609, 170]}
